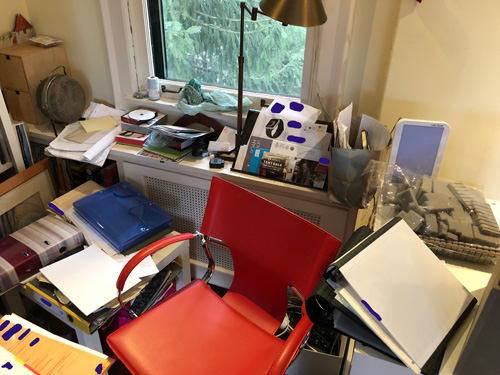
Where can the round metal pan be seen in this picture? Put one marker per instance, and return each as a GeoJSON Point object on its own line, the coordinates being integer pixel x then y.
{"type": "Point", "coordinates": [61, 98]}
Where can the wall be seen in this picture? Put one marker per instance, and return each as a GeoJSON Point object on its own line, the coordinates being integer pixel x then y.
{"type": "Point", "coordinates": [79, 25]}
{"type": "Point", "coordinates": [8, 14]}
{"type": "Point", "coordinates": [444, 65]}
{"type": "Point", "coordinates": [373, 35]}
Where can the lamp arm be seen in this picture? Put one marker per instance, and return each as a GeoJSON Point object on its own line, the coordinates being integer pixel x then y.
{"type": "Point", "coordinates": [253, 12]}
{"type": "Point", "coordinates": [241, 62]}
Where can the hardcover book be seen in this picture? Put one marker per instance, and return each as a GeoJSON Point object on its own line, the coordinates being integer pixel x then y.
{"type": "Point", "coordinates": [131, 138]}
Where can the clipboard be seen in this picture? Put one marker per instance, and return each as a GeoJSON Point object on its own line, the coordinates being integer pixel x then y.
{"type": "Point", "coordinates": [403, 293]}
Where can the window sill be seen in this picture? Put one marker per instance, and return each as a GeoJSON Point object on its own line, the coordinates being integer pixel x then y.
{"type": "Point", "coordinates": [168, 106]}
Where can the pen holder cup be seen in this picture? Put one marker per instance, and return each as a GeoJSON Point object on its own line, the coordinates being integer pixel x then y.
{"type": "Point", "coordinates": [354, 175]}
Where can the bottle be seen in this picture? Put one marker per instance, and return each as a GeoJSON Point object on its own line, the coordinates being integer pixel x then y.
{"type": "Point", "coordinates": [153, 88]}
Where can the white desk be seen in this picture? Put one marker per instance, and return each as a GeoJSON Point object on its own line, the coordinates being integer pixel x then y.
{"type": "Point", "coordinates": [363, 360]}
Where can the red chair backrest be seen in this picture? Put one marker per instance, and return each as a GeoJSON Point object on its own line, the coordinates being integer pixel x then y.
{"type": "Point", "coordinates": [271, 247]}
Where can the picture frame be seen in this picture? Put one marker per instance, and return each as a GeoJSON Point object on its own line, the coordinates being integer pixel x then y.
{"type": "Point", "coordinates": [25, 196]}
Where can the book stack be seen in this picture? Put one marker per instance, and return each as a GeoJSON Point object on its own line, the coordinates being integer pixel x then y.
{"type": "Point", "coordinates": [139, 120]}
{"type": "Point", "coordinates": [131, 138]}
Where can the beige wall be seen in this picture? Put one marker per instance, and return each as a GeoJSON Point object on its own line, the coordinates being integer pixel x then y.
{"type": "Point", "coordinates": [78, 23]}
{"type": "Point", "coordinates": [8, 14]}
{"type": "Point", "coordinates": [444, 65]}
{"type": "Point", "coordinates": [373, 34]}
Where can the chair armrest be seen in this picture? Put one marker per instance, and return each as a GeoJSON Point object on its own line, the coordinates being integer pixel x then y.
{"type": "Point", "coordinates": [292, 345]}
{"type": "Point", "coordinates": [148, 250]}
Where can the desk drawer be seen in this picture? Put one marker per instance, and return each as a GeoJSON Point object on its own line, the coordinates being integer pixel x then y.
{"type": "Point", "coordinates": [23, 107]}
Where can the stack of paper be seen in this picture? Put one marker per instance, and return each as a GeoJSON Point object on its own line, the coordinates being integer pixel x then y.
{"type": "Point", "coordinates": [403, 293]}
{"type": "Point", "coordinates": [90, 140]}
{"type": "Point", "coordinates": [88, 278]}
{"type": "Point", "coordinates": [29, 349]}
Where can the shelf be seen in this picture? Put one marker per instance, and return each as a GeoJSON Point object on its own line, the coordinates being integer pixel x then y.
{"type": "Point", "coordinates": [5, 167]}
{"type": "Point", "coordinates": [43, 134]}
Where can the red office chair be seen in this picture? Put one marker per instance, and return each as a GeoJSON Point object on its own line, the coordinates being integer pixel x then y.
{"type": "Point", "coordinates": [197, 332]}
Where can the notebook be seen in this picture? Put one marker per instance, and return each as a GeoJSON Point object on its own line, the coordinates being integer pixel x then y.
{"type": "Point", "coordinates": [402, 292]}
{"type": "Point", "coordinates": [122, 215]}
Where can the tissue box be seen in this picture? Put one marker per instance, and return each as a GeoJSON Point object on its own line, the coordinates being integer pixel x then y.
{"type": "Point", "coordinates": [25, 251]}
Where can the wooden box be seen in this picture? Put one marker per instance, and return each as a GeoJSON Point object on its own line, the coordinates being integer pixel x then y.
{"type": "Point", "coordinates": [22, 67]}
{"type": "Point", "coordinates": [22, 106]}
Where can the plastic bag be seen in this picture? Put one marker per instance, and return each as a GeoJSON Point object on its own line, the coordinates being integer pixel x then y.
{"type": "Point", "coordinates": [354, 175]}
{"type": "Point", "coordinates": [453, 219]}
{"type": "Point", "coordinates": [194, 100]}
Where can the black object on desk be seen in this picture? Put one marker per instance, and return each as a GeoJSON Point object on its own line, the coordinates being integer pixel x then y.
{"type": "Point", "coordinates": [217, 163]}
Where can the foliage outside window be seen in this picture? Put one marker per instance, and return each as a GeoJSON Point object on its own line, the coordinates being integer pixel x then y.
{"type": "Point", "coordinates": [201, 40]}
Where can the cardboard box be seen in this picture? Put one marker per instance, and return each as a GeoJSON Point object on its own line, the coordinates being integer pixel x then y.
{"type": "Point", "coordinates": [22, 106]}
{"type": "Point", "coordinates": [23, 66]}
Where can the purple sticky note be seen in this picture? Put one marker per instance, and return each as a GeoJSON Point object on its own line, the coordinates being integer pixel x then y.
{"type": "Point", "coordinates": [293, 138]}
{"type": "Point", "coordinates": [277, 108]}
{"type": "Point", "coordinates": [294, 124]}
{"type": "Point", "coordinates": [296, 106]}
{"type": "Point", "coordinates": [324, 161]}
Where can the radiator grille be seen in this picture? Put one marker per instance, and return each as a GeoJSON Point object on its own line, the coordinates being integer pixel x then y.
{"type": "Point", "coordinates": [187, 204]}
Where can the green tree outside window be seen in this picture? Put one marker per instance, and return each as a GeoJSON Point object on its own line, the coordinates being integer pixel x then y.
{"type": "Point", "coordinates": [202, 42]}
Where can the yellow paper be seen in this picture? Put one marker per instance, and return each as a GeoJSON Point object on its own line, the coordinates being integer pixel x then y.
{"type": "Point", "coordinates": [98, 123]}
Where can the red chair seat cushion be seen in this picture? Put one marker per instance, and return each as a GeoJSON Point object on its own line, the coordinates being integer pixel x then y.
{"type": "Point", "coordinates": [195, 327]}
{"type": "Point", "coordinates": [252, 311]}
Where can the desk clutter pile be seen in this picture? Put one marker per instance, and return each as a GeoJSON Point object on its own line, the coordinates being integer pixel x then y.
{"type": "Point", "coordinates": [68, 261]}
{"type": "Point", "coordinates": [453, 219]}
{"type": "Point", "coordinates": [48, 256]}
{"type": "Point", "coordinates": [90, 139]}
{"type": "Point", "coordinates": [149, 130]}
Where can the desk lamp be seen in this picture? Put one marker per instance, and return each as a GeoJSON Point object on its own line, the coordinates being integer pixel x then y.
{"type": "Point", "coordinates": [289, 12]}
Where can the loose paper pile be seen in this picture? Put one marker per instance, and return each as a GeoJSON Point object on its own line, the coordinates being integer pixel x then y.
{"type": "Point", "coordinates": [88, 278]}
{"type": "Point", "coordinates": [91, 140]}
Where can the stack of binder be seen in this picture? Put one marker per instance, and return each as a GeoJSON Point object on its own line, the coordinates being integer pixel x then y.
{"type": "Point", "coordinates": [392, 293]}
{"type": "Point", "coordinates": [122, 215]}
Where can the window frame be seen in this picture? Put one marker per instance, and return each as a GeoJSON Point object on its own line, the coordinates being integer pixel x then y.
{"type": "Point", "coordinates": [128, 39]}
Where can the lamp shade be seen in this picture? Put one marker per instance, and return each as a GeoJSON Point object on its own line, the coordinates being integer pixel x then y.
{"type": "Point", "coordinates": [295, 12]}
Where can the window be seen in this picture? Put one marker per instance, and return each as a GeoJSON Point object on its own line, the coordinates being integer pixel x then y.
{"type": "Point", "coordinates": [201, 39]}
{"type": "Point", "coordinates": [130, 53]}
